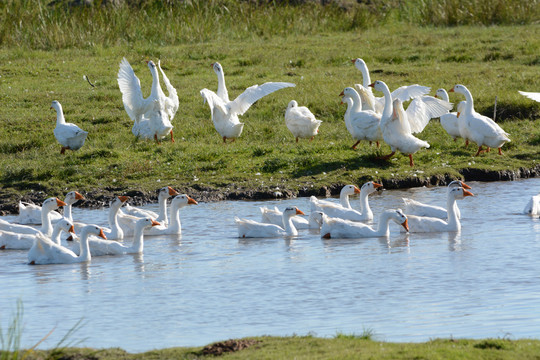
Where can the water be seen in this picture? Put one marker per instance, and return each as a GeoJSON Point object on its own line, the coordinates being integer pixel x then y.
{"type": "Point", "coordinates": [207, 285]}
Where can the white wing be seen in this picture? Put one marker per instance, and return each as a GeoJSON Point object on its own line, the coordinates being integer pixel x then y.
{"type": "Point", "coordinates": [132, 96]}
{"type": "Point", "coordinates": [405, 93]}
{"type": "Point", "coordinates": [213, 101]}
{"type": "Point", "coordinates": [253, 93]}
{"type": "Point", "coordinates": [531, 95]}
{"type": "Point", "coordinates": [367, 97]}
{"type": "Point", "coordinates": [171, 102]}
{"type": "Point", "coordinates": [423, 109]}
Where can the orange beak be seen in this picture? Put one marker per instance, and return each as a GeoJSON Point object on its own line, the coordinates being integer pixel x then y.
{"type": "Point", "coordinates": [377, 185]}
{"type": "Point", "coordinates": [69, 238]}
{"type": "Point", "coordinates": [173, 192]}
{"type": "Point", "coordinates": [458, 114]}
{"type": "Point", "coordinates": [467, 193]}
{"type": "Point", "coordinates": [342, 94]}
{"type": "Point", "coordinates": [155, 223]}
{"type": "Point", "coordinates": [299, 212]}
{"type": "Point", "coordinates": [51, 107]}
{"type": "Point", "coordinates": [71, 229]}
{"type": "Point", "coordinates": [465, 186]}
{"type": "Point", "coordinates": [78, 196]}
{"type": "Point", "coordinates": [147, 61]}
{"type": "Point", "coordinates": [353, 61]}
{"type": "Point", "coordinates": [191, 201]}
{"type": "Point", "coordinates": [372, 85]}
{"type": "Point", "coordinates": [356, 190]}
{"type": "Point", "coordinates": [102, 234]}
{"type": "Point", "coordinates": [212, 64]}
{"type": "Point", "coordinates": [405, 224]}
{"type": "Point", "coordinates": [60, 202]}
{"type": "Point", "coordinates": [123, 198]}
{"type": "Point", "coordinates": [451, 90]}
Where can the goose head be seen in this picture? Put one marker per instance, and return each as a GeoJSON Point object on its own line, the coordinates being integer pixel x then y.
{"type": "Point", "coordinates": [53, 203]}
{"type": "Point", "coordinates": [94, 230]}
{"type": "Point", "coordinates": [348, 92]}
{"type": "Point", "coordinates": [442, 94]}
{"type": "Point", "coordinates": [56, 106]}
{"type": "Point", "coordinates": [401, 218]}
{"type": "Point", "coordinates": [292, 104]}
{"type": "Point", "coordinates": [183, 200]}
{"type": "Point", "coordinates": [350, 190]}
{"type": "Point", "coordinates": [167, 191]}
{"type": "Point", "coordinates": [217, 68]}
{"type": "Point", "coordinates": [72, 197]}
{"type": "Point", "coordinates": [65, 225]}
{"type": "Point", "coordinates": [459, 88]}
{"type": "Point", "coordinates": [370, 187]}
{"type": "Point", "coordinates": [379, 85]}
{"type": "Point", "coordinates": [291, 211]}
{"type": "Point", "coordinates": [458, 183]}
{"type": "Point", "coordinates": [146, 223]}
{"type": "Point", "coordinates": [359, 64]}
{"type": "Point", "coordinates": [460, 193]}
{"type": "Point", "coordinates": [119, 201]}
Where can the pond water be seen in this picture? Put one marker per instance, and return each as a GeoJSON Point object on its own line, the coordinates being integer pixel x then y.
{"type": "Point", "coordinates": [207, 285]}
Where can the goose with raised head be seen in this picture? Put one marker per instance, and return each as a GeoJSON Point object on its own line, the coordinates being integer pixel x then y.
{"type": "Point", "coordinates": [301, 122]}
{"type": "Point", "coordinates": [225, 113]}
{"type": "Point", "coordinates": [413, 207]}
{"type": "Point", "coordinates": [115, 232]}
{"type": "Point", "coordinates": [531, 95]}
{"type": "Point", "coordinates": [17, 241]}
{"type": "Point", "coordinates": [404, 93]}
{"type": "Point", "coordinates": [253, 229]}
{"type": "Point", "coordinates": [100, 247]}
{"type": "Point", "coordinates": [339, 228]}
{"type": "Point", "coordinates": [46, 225]}
{"type": "Point", "coordinates": [344, 194]}
{"type": "Point", "coordinates": [432, 224]}
{"type": "Point", "coordinates": [361, 124]}
{"type": "Point", "coordinates": [275, 216]}
{"type": "Point", "coordinates": [69, 135]}
{"type": "Point", "coordinates": [161, 217]}
{"type": "Point", "coordinates": [175, 226]}
{"type": "Point", "coordinates": [338, 211]}
{"type": "Point", "coordinates": [31, 213]}
{"type": "Point", "coordinates": [479, 128]}
{"type": "Point", "coordinates": [449, 121]}
{"type": "Point", "coordinates": [47, 252]}
{"type": "Point", "coordinates": [151, 116]}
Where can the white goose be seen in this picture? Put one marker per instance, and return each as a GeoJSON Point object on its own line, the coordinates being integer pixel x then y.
{"type": "Point", "coordinates": [361, 124]}
{"type": "Point", "coordinates": [31, 214]}
{"type": "Point", "coordinates": [18, 241]}
{"type": "Point", "coordinates": [175, 226]}
{"type": "Point", "coordinates": [533, 206]}
{"type": "Point", "coordinates": [479, 128]}
{"type": "Point", "coordinates": [449, 121]}
{"type": "Point", "coordinates": [47, 252]}
{"type": "Point", "coordinates": [413, 207]}
{"type": "Point", "coordinates": [301, 122]}
{"type": "Point", "coordinates": [161, 217]}
{"type": "Point", "coordinates": [275, 216]}
{"type": "Point", "coordinates": [253, 229]}
{"type": "Point", "coordinates": [151, 116]}
{"type": "Point", "coordinates": [69, 135]}
{"type": "Point", "coordinates": [338, 211]}
{"type": "Point", "coordinates": [431, 224]}
{"type": "Point", "coordinates": [346, 191]}
{"type": "Point", "coordinates": [339, 228]}
{"type": "Point", "coordinates": [225, 112]}
{"type": "Point", "coordinates": [531, 95]}
{"type": "Point", "coordinates": [115, 232]}
{"type": "Point", "coordinates": [398, 125]}
{"type": "Point", "coordinates": [46, 226]}
{"type": "Point", "coordinates": [99, 247]}
{"type": "Point", "coordinates": [370, 102]}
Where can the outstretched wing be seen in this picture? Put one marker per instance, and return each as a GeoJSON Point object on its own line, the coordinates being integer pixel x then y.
{"type": "Point", "coordinates": [422, 109]}
{"type": "Point", "coordinates": [214, 101]}
{"type": "Point", "coordinates": [531, 95]}
{"type": "Point", "coordinates": [254, 93]}
{"type": "Point", "coordinates": [406, 93]}
{"type": "Point", "coordinates": [171, 102]}
{"type": "Point", "coordinates": [130, 86]}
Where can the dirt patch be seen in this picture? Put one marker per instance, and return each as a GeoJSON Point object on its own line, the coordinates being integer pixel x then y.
{"type": "Point", "coordinates": [228, 346]}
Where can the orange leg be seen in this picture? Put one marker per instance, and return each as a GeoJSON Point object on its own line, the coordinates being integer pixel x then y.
{"type": "Point", "coordinates": [224, 139]}
{"type": "Point", "coordinates": [313, 137]}
{"type": "Point", "coordinates": [378, 144]}
{"type": "Point", "coordinates": [172, 138]}
{"type": "Point", "coordinates": [63, 150]}
{"type": "Point", "coordinates": [155, 138]}
{"type": "Point", "coordinates": [466, 142]}
{"type": "Point", "coordinates": [479, 150]}
{"type": "Point", "coordinates": [488, 149]}
{"type": "Point", "coordinates": [297, 140]}
{"type": "Point", "coordinates": [356, 143]}
{"type": "Point", "coordinates": [411, 162]}
{"type": "Point", "coordinates": [500, 151]}
{"type": "Point", "coordinates": [386, 157]}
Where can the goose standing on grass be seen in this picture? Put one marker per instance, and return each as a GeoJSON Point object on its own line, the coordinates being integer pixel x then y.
{"type": "Point", "coordinates": [398, 125]}
{"type": "Point", "coordinates": [449, 121]}
{"type": "Point", "coordinates": [362, 124]}
{"type": "Point", "coordinates": [413, 207]}
{"type": "Point", "coordinates": [531, 95]}
{"type": "Point", "coordinates": [301, 122]}
{"type": "Point", "coordinates": [338, 211]}
{"type": "Point", "coordinates": [151, 116]}
{"type": "Point", "coordinates": [370, 102]}
{"type": "Point", "coordinates": [46, 225]}
{"type": "Point", "coordinates": [18, 241]}
{"type": "Point", "coordinates": [533, 206]}
{"type": "Point", "coordinates": [47, 252]}
{"type": "Point", "coordinates": [254, 229]}
{"type": "Point", "coordinates": [69, 135]}
{"type": "Point", "coordinates": [339, 228]}
{"type": "Point", "coordinates": [225, 112]}
{"type": "Point", "coordinates": [479, 128]}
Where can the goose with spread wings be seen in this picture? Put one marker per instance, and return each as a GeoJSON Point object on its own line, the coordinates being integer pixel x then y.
{"type": "Point", "coordinates": [225, 112]}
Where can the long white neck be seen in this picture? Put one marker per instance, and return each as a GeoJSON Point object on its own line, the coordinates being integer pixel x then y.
{"type": "Point", "coordinates": [60, 115]}
{"type": "Point", "coordinates": [469, 106]}
{"type": "Point", "coordinates": [67, 212]}
{"type": "Point", "coordinates": [116, 230]}
{"type": "Point", "coordinates": [388, 107]}
{"type": "Point", "coordinates": [453, 220]}
{"type": "Point", "coordinates": [364, 204]}
{"type": "Point", "coordinates": [155, 83]}
{"type": "Point", "coordinates": [344, 199]}
{"type": "Point", "coordinates": [46, 225]}
{"type": "Point", "coordinates": [444, 96]}
{"type": "Point", "coordinates": [55, 237]}
{"type": "Point", "coordinates": [138, 243]}
{"type": "Point", "coordinates": [365, 75]}
{"type": "Point", "coordinates": [357, 102]}
{"type": "Point", "coordinates": [290, 229]}
{"type": "Point", "coordinates": [162, 201]}
{"type": "Point", "coordinates": [383, 228]}
{"type": "Point", "coordinates": [84, 255]}
{"type": "Point", "coordinates": [221, 88]}
{"type": "Point", "coordinates": [175, 227]}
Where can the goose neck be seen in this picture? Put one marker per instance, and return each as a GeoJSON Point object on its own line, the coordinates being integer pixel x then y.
{"type": "Point", "coordinates": [383, 228]}
{"type": "Point", "coordinates": [289, 227]}
{"type": "Point", "coordinates": [116, 230]}
{"type": "Point", "coordinates": [138, 244]}
{"type": "Point", "coordinates": [453, 220]}
{"type": "Point", "coordinates": [162, 210]}
{"type": "Point", "coordinates": [46, 225]}
{"type": "Point", "coordinates": [85, 247]}
{"type": "Point", "coordinates": [357, 102]}
{"type": "Point", "coordinates": [364, 204]}
{"type": "Point", "coordinates": [388, 107]}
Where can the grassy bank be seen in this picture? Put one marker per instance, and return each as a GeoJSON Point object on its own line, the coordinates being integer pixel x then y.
{"type": "Point", "coordinates": [340, 347]}
{"type": "Point", "coordinates": [490, 61]}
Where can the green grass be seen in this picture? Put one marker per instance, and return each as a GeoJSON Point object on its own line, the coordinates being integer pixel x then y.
{"type": "Point", "coordinates": [345, 347]}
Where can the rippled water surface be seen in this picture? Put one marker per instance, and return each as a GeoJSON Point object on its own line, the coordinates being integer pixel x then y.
{"type": "Point", "coordinates": [207, 285]}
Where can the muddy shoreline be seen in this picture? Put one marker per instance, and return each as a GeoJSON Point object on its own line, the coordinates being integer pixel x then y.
{"type": "Point", "coordinates": [99, 198]}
